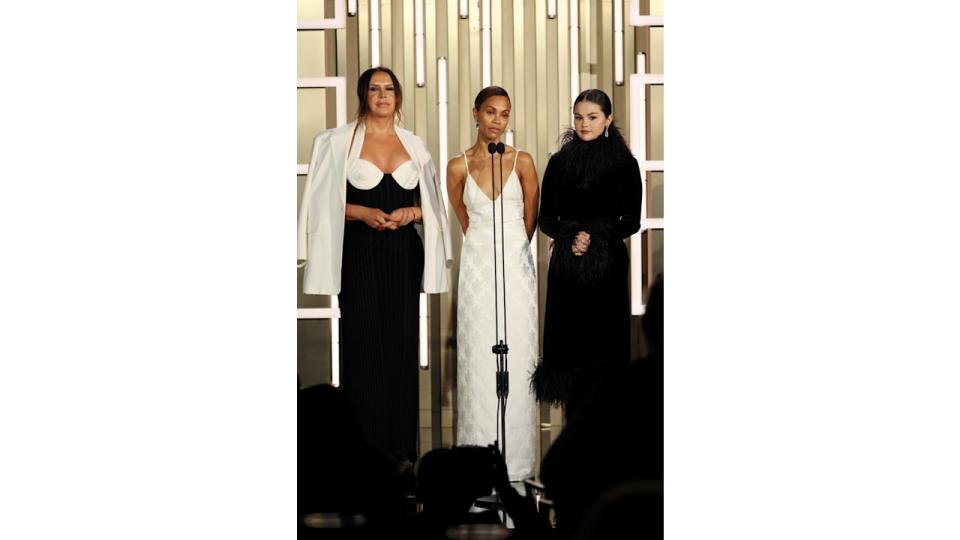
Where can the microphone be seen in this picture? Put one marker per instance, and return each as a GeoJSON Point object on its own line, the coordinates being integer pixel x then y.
{"type": "Point", "coordinates": [492, 148]}
{"type": "Point", "coordinates": [500, 148]}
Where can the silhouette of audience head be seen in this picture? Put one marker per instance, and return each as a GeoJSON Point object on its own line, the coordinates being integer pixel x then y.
{"type": "Point", "coordinates": [449, 480]}
{"type": "Point", "coordinates": [341, 482]}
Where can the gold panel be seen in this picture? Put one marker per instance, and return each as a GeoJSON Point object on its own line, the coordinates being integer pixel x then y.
{"type": "Point", "coordinates": [655, 122]}
{"type": "Point", "coordinates": [313, 351]}
{"type": "Point", "coordinates": [313, 117]}
{"type": "Point", "coordinates": [655, 8]}
{"type": "Point", "coordinates": [310, 54]}
{"type": "Point", "coordinates": [655, 194]}
{"type": "Point", "coordinates": [655, 52]}
{"type": "Point", "coordinates": [311, 9]}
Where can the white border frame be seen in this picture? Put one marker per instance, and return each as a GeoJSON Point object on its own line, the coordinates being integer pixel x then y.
{"type": "Point", "coordinates": [338, 21]}
{"type": "Point", "coordinates": [638, 19]}
{"type": "Point", "coordinates": [638, 145]}
{"type": "Point", "coordinates": [339, 84]}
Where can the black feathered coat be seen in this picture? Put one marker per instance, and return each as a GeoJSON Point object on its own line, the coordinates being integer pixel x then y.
{"type": "Point", "coordinates": [594, 187]}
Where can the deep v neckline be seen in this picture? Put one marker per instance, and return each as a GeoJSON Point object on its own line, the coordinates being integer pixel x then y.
{"type": "Point", "coordinates": [505, 182]}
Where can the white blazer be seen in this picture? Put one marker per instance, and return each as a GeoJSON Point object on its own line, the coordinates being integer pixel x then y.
{"type": "Point", "coordinates": [321, 218]}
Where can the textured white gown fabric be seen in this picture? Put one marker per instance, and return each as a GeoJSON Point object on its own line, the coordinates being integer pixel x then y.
{"type": "Point", "coordinates": [477, 417]}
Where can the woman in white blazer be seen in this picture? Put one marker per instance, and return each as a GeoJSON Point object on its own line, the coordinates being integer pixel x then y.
{"type": "Point", "coordinates": [372, 229]}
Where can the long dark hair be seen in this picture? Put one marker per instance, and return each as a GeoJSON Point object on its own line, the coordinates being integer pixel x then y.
{"type": "Point", "coordinates": [363, 88]}
{"type": "Point", "coordinates": [588, 160]}
{"type": "Point", "coordinates": [599, 97]}
{"type": "Point", "coordinates": [487, 93]}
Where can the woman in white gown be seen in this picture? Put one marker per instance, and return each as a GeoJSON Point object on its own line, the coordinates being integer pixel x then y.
{"type": "Point", "coordinates": [476, 199]}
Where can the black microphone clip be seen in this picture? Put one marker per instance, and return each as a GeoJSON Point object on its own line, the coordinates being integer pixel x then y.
{"type": "Point", "coordinates": [492, 148]}
{"type": "Point", "coordinates": [500, 148]}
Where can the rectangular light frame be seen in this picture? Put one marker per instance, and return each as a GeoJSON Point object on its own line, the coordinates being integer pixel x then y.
{"type": "Point", "coordinates": [638, 145]}
{"type": "Point", "coordinates": [339, 84]}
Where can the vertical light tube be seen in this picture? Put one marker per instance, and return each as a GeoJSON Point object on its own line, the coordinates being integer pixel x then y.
{"type": "Point", "coordinates": [335, 342]}
{"type": "Point", "coordinates": [638, 145]}
{"type": "Point", "coordinates": [464, 9]}
{"type": "Point", "coordinates": [638, 114]}
{"type": "Point", "coordinates": [442, 117]}
{"type": "Point", "coordinates": [485, 36]}
{"type": "Point", "coordinates": [551, 9]}
{"type": "Point", "coordinates": [418, 46]}
{"type": "Point", "coordinates": [442, 102]}
{"type": "Point", "coordinates": [374, 33]}
{"type": "Point", "coordinates": [352, 8]}
{"type": "Point", "coordinates": [424, 349]}
{"type": "Point", "coordinates": [618, 42]}
{"type": "Point", "coordinates": [574, 51]}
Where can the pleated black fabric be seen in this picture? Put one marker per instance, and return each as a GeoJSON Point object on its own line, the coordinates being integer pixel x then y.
{"type": "Point", "coordinates": [379, 309]}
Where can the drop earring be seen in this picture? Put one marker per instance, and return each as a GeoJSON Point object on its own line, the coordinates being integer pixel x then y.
{"type": "Point", "coordinates": [606, 133]}
{"type": "Point", "coordinates": [476, 125]}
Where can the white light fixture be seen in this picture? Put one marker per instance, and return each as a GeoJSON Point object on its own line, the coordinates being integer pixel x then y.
{"type": "Point", "coordinates": [335, 342]}
{"type": "Point", "coordinates": [485, 42]}
{"type": "Point", "coordinates": [464, 9]}
{"type": "Point", "coordinates": [424, 349]}
{"type": "Point", "coordinates": [374, 33]}
{"type": "Point", "coordinates": [638, 146]}
{"type": "Point", "coordinates": [574, 51]}
{"type": "Point", "coordinates": [352, 8]}
{"type": "Point", "coordinates": [442, 116]}
{"type": "Point", "coordinates": [618, 42]}
{"type": "Point", "coordinates": [551, 9]}
{"type": "Point", "coordinates": [418, 42]}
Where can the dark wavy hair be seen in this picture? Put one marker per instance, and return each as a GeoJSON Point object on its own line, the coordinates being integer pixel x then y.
{"type": "Point", "coordinates": [363, 87]}
{"type": "Point", "coordinates": [487, 93]}
{"type": "Point", "coordinates": [599, 97]}
{"type": "Point", "coordinates": [595, 95]}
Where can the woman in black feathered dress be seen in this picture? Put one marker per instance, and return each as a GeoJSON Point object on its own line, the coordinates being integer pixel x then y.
{"type": "Point", "coordinates": [591, 202]}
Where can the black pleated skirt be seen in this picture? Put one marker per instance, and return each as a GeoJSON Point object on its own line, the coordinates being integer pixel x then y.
{"type": "Point", "coordinates": [379, 309]}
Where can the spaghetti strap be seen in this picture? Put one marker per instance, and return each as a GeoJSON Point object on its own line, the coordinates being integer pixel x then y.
{"type": "Point", "coordinates": [515, 160]}
{"type": "Point", "coordinates": [465, 163]}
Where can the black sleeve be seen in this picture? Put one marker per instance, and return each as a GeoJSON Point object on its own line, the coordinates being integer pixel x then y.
{"type": "Point", "coordinates": [629, 200]}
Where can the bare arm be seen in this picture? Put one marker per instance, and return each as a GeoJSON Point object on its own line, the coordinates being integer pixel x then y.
{"type": "Point", "coordinates": [373, 217]}
{"type": "Point", "coordinates": [530, 184]}
{"type": "Point", "coordinates": [456, 181]}
{"type": "Point", "coordinates": [402, 217]}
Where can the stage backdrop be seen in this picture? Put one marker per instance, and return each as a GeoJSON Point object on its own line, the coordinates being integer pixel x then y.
{"type": "Point", "coordinates": [543, 52]}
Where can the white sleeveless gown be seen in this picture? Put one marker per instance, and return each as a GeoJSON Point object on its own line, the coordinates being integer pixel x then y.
{"type": "Point", "coordinates": [476, 364]}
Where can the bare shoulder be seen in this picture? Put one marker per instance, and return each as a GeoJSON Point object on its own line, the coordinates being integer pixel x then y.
{"type": "Point", "coordinates": [455, 168]}
{"type": "Point", "coordinates": [524, 159]}
{"type": "Point", "coordinates": [526, 167]}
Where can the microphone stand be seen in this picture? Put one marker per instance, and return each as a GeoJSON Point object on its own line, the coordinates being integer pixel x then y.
{"type": "Point", "coordinates": [500, 348]}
